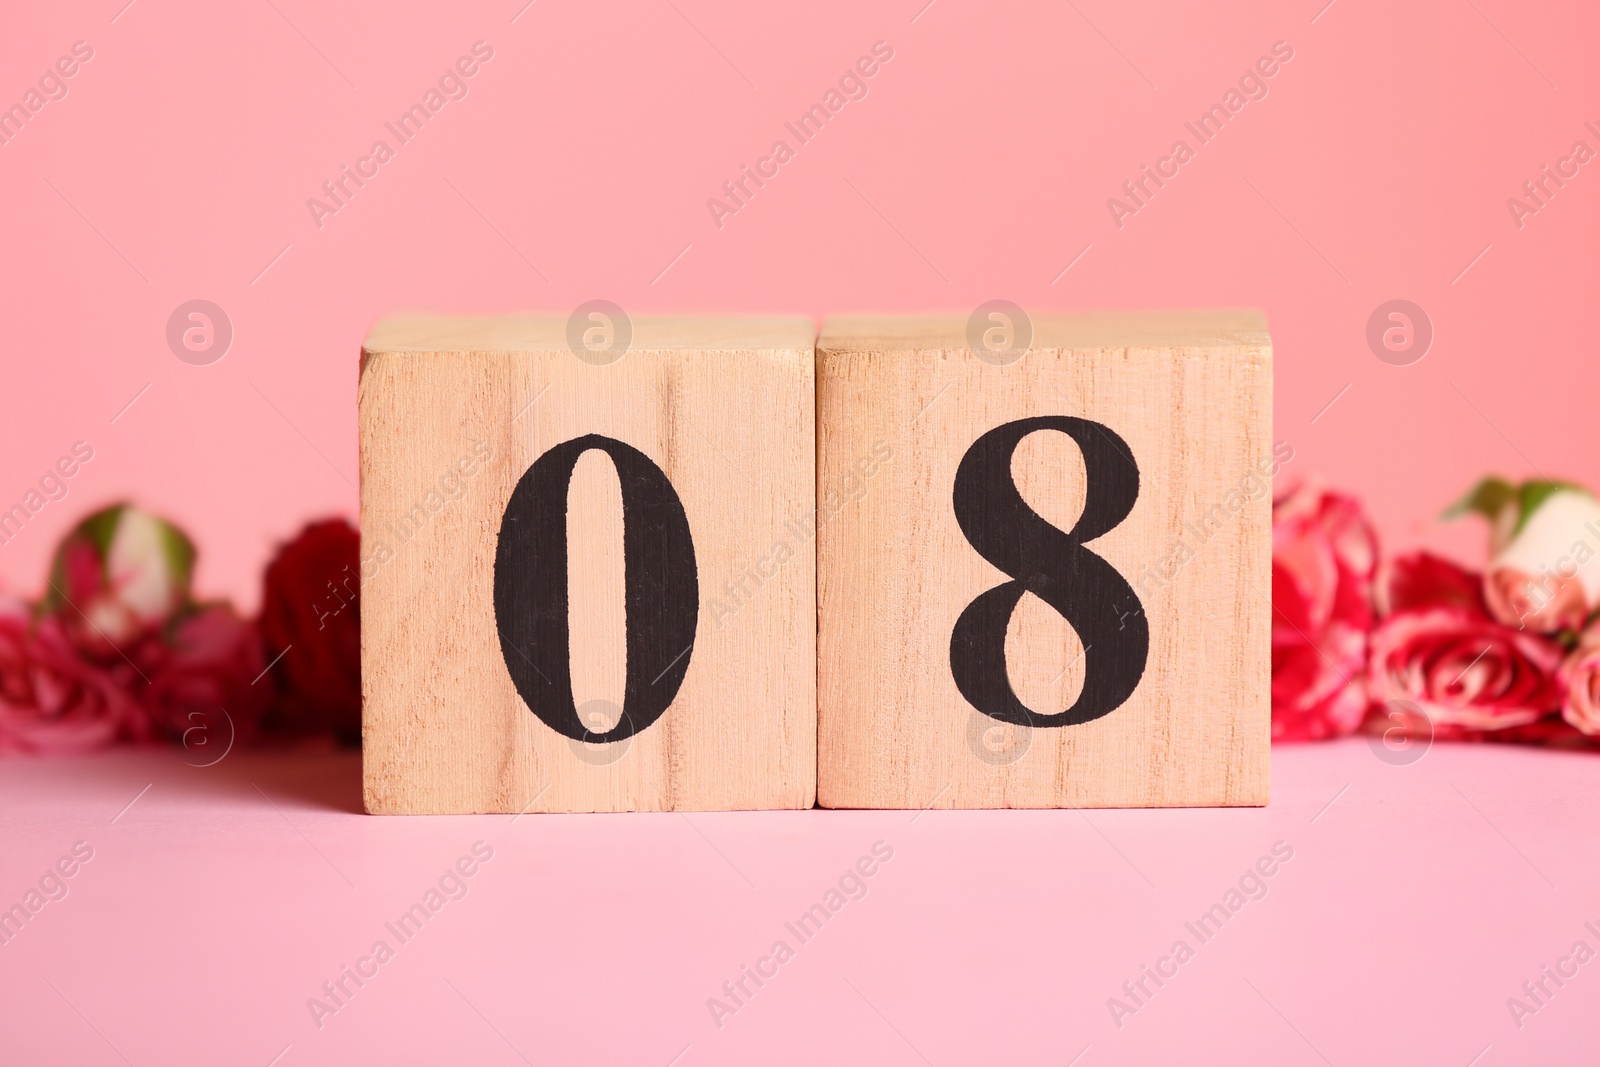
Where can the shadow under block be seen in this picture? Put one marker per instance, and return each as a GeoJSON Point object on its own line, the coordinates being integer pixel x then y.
{"type": "Point", "coordinates": [655, 571]}
{"type": "Point", "coordinates": [1084, 533]}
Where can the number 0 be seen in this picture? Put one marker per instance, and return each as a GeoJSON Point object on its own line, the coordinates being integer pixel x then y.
{"type": "Point", "coordinates": [661, 589]}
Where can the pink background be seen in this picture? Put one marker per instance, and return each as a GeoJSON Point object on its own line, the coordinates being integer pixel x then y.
{"type": "Point", "coordinates": [578, 167]}
{"type": "Point", "coordinates": [979, 166]}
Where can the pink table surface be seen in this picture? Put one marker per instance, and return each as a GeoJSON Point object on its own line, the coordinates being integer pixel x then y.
{"type": "Point", "coordinates": [218, 900]}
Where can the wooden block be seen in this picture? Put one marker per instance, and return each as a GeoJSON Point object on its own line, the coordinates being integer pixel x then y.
{"type": "Point", "coordinates": [587, 584]}
{"type": "Point", "coordinates": [1045, 580]}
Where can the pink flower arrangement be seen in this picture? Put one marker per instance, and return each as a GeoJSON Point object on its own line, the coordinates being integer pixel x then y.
{"type": "Point", "coordinates": [117, 650]}
{"type": "Point", "coordinates": [1512, 654]}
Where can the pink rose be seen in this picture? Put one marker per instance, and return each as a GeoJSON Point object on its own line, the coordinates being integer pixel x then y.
{"type": "Point", "coordinates": [1581, 675]}
{"type": "Point", "coordinates": [1544, 547]}
{"type": "Point", "coordinates": [120, 574]}
{"type": "Point", "coordinates": [53, 700]}
{"type": "Point", "coordinates": [200, 675]}
{"type": "Point", "coordinates": [1464, 669]}
{"type": "Point", "coordinates": [1323, 557]}
{"type": "Point", "coordinates": [1518, 599]}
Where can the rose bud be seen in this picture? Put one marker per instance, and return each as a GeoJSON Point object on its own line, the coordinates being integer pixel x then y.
{"type": "Point", "coordinates": [311, 624]}
{"type": "Point", "coordinates": [120, 574]}
{"type": "Point", "coordinates": [1323, 556]}
{"type": "Point", "coordinates": [52, 700]}
{"type": "Point", "coordinates": [1544, 572]}
{"type": "Point", "coordinates": [1464, 669]}
{"type": "Point", "coordinates": [1581, 674]}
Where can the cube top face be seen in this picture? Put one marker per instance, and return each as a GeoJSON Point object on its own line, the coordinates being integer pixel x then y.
{"type": "Point", "coordinates": [1053, 589]}
{"type": "Point", "coordinates": [588, 574]}
{"type": "Point", "coordinates": [1085, 331]}
{"type": "Point", "coordinates": [433, 334]}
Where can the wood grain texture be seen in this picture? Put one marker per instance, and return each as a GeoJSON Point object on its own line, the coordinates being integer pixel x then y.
{"type": "Point", "coordinates": [453, 412]}
{"type": "Point", "coordinates": [1191, 395]}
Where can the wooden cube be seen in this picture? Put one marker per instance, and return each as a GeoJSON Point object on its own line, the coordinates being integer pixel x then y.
{"type": "Point", "coordinates": [1044, 579]}
{"type": "Point", "coordinates": [588, 568]}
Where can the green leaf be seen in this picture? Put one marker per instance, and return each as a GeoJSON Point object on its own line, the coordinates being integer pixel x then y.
{"type": "Point", "coordinates": [1488, 498]}
{"type": "Point", "coordinates": [101, 527]}
{"type": "Point", "coordinates": [180, 553]}
{"type": "Point", "coordinates": [1491, 496]}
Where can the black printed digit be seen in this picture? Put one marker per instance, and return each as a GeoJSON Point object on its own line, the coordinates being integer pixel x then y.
{"type": "Point", "coordinates": [1054, 566]}
{"type": "Point", "coordinates": [661, 588]}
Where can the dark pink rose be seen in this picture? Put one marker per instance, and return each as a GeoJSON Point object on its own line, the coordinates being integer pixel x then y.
{"type": "Point", "coordinates": [1424, 580]}
{"type": "Point", "coordinates": [311, 623]}
{"type": "Point", "coordinates": [201, 674]}
{"type": "Point", "coordinates": [52, 699]}
{"type": "Point", "coordinates": [1323, 557]}
{"type": "Point", "coordinates": [1464, 669]}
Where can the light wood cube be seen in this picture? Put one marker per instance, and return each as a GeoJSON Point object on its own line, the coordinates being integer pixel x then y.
{"type": "Point", "coordinates": [1044, 579]}
{"type": "Point", "coordinates": [588, 565]}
